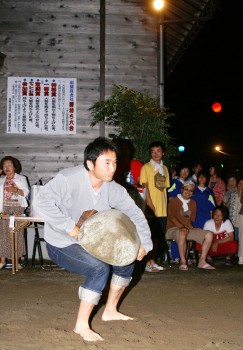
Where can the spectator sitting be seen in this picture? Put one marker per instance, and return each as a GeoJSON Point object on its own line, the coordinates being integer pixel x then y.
{"type": "Point", "coordinates": [223, 241]}
{"type": "Point", "coordinates": [173, 191]}
{"type": "Point", "coordinates": [181, 213]}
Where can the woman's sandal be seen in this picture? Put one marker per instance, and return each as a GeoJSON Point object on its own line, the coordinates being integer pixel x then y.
{"type": "Point", "coordinates": [150, 268]}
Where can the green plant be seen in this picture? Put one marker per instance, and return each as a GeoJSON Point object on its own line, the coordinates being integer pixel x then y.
{"type": "Point", "coordinates": [136, 117]}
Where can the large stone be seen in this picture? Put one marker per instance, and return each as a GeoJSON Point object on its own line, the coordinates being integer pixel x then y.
{"type": "Point", "coordinates": [110, 236]}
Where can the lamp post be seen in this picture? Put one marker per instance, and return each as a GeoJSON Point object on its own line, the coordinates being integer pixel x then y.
{"type": "Point", "coordinates": [161, 65]}
{"type": "Point", "coordinates": [158, 6]}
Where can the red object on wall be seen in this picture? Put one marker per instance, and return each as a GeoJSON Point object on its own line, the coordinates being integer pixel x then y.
{"type": "Point", "coordinates": [217, 107]}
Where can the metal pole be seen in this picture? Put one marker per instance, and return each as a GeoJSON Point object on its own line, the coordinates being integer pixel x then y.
{"type": "Point", "coordinates": [102, 59]}
{"type": "Point", "coordinates": [161, 67]}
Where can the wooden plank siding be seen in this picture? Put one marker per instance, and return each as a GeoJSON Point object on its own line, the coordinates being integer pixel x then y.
{"type": "Point", "coordinates": [61, 38]}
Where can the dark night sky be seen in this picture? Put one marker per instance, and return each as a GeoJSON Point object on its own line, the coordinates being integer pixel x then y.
{"type": "Point", "coordinates": [211, 70]}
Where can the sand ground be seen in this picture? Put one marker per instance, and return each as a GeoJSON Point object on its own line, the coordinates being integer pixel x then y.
{"type": "Point", "coordinates": [173, 309]}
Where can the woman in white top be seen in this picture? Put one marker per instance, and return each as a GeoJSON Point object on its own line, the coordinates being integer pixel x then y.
{"type": "Point", "coordinates": [223, 243]}
{"type": "Point", "coordinates": [13, 192]}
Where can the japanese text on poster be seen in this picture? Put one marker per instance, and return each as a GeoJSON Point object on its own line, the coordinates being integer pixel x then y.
{"type": "Point", "coordinates": [41, 105]}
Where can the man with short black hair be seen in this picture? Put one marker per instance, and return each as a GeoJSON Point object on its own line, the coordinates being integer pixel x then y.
{"type": "Point", "coordinates": [61, 202]}
{"type": "Point", "coordinates": [155, 179]}
{"type": "Point", "coordinates": [181, 214]}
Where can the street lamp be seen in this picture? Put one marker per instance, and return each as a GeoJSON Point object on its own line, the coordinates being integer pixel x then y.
{"type": "Point", "coordinates": [181, 148]}
{"type": "Point", "coordinates": [158, 5]}
{"type": "Point", "coordinates": [219, 149]}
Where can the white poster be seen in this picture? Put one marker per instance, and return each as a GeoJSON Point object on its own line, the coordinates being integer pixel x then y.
{"type": "Point", "coordinates": [41, 105]}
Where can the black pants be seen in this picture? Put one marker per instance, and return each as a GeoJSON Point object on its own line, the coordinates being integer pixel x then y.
{"type": "Point", "coordinates": [157, 227]}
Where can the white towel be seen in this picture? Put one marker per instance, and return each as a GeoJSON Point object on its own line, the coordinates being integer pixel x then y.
{"type": "Point", "coordinates": [158, 166]}
{"type": "Point", "coordinates": [184, 202]}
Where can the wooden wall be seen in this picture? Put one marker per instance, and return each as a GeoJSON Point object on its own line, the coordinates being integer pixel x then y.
{"type": "Point", "coordinates": [61, 38]}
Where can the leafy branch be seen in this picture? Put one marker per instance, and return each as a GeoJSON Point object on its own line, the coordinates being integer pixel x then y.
{"type": "Point", "coordinates": [137, 117]}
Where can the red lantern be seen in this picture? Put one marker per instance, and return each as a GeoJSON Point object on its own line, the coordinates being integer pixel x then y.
{"type": "Point", "coordinates": [217, 107]}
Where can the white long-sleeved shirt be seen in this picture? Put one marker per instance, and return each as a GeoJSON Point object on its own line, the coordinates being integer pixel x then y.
{"type": "Point", "coordinates": [63, 199]}
{"type": "Point", "coordinates": [22, 184]}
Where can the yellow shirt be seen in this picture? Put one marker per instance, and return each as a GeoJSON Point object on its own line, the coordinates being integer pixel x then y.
{"type": "Point", "coordinates": [157, 186]}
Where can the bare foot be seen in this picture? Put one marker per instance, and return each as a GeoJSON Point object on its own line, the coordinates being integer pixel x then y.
{"type": "Point", "coordinates": [88, 334]}
{"type": "Point", "coordinates": [115, 316]}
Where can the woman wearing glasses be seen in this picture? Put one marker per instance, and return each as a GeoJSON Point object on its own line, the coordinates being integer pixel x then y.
{"type": "Point", "coordinates": [181, 214]}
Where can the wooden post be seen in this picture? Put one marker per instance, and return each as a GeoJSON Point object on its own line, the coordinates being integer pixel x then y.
{"type": "Point", "coordinates": [16, 257]}
{"type": "Point", "coordinates": [12, 234]}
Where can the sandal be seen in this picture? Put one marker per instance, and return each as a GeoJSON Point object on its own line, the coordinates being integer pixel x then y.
{"type": "Point", "coordinates": [183, 268]}
{"type": "Point", "coordinates": [150, 268]}
{"type": "Point", "coordinates": [158, 267]}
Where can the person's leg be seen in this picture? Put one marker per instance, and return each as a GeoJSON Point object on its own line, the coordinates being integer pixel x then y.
{"type": "Point", "coordinates": [120, 280]}
{"type": "Point", "coordinates": [75, 259]}
{"type": "Point", "coordinates": [82, 324]}
{"type": "Point", "coordinates": [111, 313]}
{"type": "Point", "coordinates": [5, 241]}
{"type": "Point", "coordinates": [173, 234]}
{"type": "Point", "coordinates": [154, 228]}
{"type": "Point", "coordinates": [228, 249]}
{"type": "Point", "coordinates": [162, 240]}
{"type": "Point", "coordinates": [151, 256]}
{"type": "Point", "coordinates": [205, 246]}
{"type": "Point", "coordinates": [158, 237]}
{"type": "Point", "coordinates": [2, 262]}
{"type": "Point", "coordinates": [182, 245]}
{"type": "Point", "coordinates": [205, 238]}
